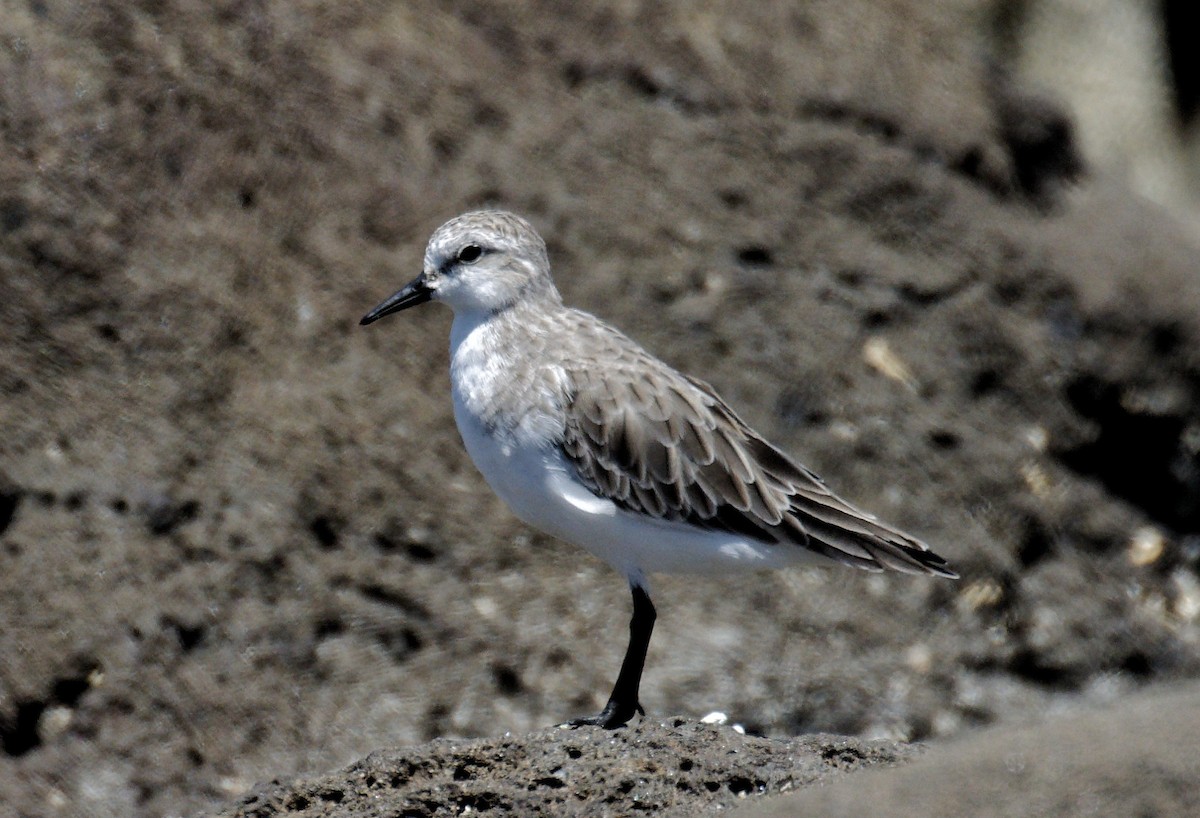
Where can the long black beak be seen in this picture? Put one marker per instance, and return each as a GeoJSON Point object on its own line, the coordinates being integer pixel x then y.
{"type": "Point", "coordinates": [414, 293]}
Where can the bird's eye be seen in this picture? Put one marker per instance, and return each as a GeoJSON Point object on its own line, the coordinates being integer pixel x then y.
{"type": "Point", "coordinates": [470, 254]}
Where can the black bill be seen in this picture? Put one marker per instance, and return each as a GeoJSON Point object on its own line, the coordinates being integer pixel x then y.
{"type": "Point", "coordinates": [414, 293]}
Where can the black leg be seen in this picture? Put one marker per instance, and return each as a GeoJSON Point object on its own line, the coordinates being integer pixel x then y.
{"type": "Point", "coordinates": [623, 702]}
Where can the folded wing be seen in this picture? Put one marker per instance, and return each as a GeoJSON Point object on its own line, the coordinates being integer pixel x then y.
{"type": "Point", "coordinates": [666, 445]}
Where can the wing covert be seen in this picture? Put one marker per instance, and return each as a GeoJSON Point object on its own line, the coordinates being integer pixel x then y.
{"type": "Point", "coordinates": [666, 445]}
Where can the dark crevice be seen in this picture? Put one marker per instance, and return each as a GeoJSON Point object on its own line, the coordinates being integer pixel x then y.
{"type": "Point", "coordinates": [641, 82]}
{"type": "Point", "coordinates": [324, 528]}
{"type": "Point", "coordinates": [984, 382]}
{"type": "Point", "coordinates": [1028, 665]}
{"type": "Point", "coordinates": [19, 732]}
{"type": "Point", "coordinates": [69, 690]}
{"type": "Point", "coordinates": [108, 333]}
{"type": "Point", "coordinates": [390, 541]}
{"type": "Point", "coordinates": [10, 498]}
{"type": "Point", "coordinates": [863, 120]}
{"type": "Point", "coordinates": [733, 199]}
{"type": "Point", "coordinates": [1137, 663]}
{"type": "Point", "coordinates": [1036, 543]}
{"type": "Point", "coordinates": [420, 553]}
{"type": "Point", "coordinates": [1039, 137]}
{"type": "Point", "coordinates": [922, 298]}
{"type": "Point", "coordinates": [876, 319]}
{"type": "Point", "coordinates": [1139, 456]}
{"type": "Point", "coordinates": [188, 636]}
{"type": "Point", "coordinates": [328, 627]}
{"type": "Point", "coordinates": [1182, 56]}
{"type": "Point", "coordinates": [944, 439]}
{"type": "Point", "coordinates": [755, 256]}
{"type": "Point", "coordinates": [400, 644]}
{"type": "Point", "coordinates": [970, 163]}
{"type": "Point", "coordinates": [166, 515]}
{"type": "Point", "coordinates": [394, 599]}
{"type": "Point", "coordinates": [508, 682]}
{"type": "Point", "coordinates": [842, 755]}
{"type": "Point", "coordinates": [332, 795]}
{"type": "Point", "coordinates": [740, 785]}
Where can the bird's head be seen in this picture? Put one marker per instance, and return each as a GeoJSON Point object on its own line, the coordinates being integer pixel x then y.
{"type": "Point", "coordinates": [485, 261]}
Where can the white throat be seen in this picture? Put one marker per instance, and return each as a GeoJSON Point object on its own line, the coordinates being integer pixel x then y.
{"type": "Point", "coordinates": [496, 384]}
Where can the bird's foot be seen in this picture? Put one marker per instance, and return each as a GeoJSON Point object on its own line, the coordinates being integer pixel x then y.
{"type": "Point", "coordinates": [615, 714]}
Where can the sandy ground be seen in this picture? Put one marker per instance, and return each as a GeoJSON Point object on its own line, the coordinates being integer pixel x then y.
{"type": "Point", "coordinates": [240, 540]}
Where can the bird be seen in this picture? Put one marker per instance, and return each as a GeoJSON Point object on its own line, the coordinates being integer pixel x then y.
{"type": "Point", "coordinates": [591, 439]}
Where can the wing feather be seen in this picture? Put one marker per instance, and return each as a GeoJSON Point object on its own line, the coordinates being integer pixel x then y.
{"type": "Point", "coordinates": [666, 445]}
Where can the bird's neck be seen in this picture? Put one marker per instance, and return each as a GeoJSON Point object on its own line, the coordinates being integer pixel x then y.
{"type": "Point", "coordinates": [502, 332]}
{"type": "Point", "coordinates": [493, 378]}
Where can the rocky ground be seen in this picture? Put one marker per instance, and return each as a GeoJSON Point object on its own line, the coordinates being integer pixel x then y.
{"type": "Point", "coordinates": [671, 766]}
{"type": "Point", "coordinates": [240, 540]}
{"type": "Point", "coordinates": [1131, 758]}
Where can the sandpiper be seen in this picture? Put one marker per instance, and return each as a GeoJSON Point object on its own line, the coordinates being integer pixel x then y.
{"type": "Point", "coordinates": [591, 439]}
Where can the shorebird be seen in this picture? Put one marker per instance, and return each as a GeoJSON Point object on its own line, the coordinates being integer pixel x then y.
{"type": "Point", "coordinates": [591, 439]}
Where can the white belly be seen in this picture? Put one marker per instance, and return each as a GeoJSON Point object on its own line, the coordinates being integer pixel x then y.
{"type": "Point", "coordinates": [538, 483]}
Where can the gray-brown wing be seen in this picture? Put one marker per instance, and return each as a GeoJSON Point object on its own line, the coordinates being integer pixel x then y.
{"type": "Point", "coordinates": [663, 444]}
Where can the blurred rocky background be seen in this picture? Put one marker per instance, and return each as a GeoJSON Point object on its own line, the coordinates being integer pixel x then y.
{"type": "Point", "coordinates": [944, 252]}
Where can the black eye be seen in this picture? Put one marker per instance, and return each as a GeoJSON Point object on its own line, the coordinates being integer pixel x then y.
{"type": "Point", "coordinates": [470, 254]}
